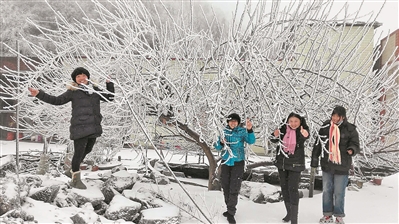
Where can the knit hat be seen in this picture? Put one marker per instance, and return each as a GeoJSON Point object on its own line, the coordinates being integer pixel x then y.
{"type": "Point", "coordinates": [234, 116]}
{"type": "Point", "coordinates": [78, 71]}
{"type": "Point", "coordinates": [340, 111]}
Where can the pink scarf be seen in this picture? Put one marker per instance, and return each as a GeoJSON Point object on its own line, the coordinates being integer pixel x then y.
{"type": "Point", "coordinates": [289, 140]}
{"type": "Point", "coordinates": [335, 135]}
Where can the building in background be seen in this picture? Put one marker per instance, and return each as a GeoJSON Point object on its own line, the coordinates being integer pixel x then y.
{"type": "Point", "coordinates": [6, 114]}
{"type": "Point", "coordinates": [389, 59]}
{"type": "Point", "coordinates": [390, 56]}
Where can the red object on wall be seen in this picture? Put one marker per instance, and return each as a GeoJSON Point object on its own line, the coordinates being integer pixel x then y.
{"type": "Point", "coordinates": [10, 136]}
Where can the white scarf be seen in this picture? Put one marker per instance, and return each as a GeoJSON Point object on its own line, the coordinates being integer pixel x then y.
{"type": "Point", "coordinates": [88, 89]}
{"type": "Point", "coordinates": [335, 135]}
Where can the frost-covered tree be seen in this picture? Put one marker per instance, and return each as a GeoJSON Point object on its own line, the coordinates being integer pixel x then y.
{"type": "Point", "coordinates": [270, 60]}
{"type": "Point", "coordinates": [16, 18]}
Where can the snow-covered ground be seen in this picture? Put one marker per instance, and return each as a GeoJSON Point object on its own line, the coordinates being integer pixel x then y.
{"type": "Point", "coordinates": [371, 204]}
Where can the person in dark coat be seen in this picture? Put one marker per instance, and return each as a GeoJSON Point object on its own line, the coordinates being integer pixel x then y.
{"type": "Point", "coordinates": [337, 143]}
{"type": "Point", "coordinates": [86, 116]}
{"type": "Point", "coordinates": [232, 146]}
{"type": "Point", "coordinates": [290, 160]}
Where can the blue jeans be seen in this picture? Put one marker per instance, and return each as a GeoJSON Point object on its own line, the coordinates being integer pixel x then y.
{"type": "Point", "coordinates": [334, 194]}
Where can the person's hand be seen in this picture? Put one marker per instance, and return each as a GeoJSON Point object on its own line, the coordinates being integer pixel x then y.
{"type": "Point", "coordinates": [108, 80]}
{"type": "Point", "coordinates": [33, 91]}
{"type": "Point", "coordinates": [314, 170]}
{"type": "Point", "coordinates": [350, 151]}
{"type": "Point", "coordinates": [304, 132]}
{"type": "Point", "coordinates": [276, 133]}
{"type": "Point", "coordinates": [248, 124]}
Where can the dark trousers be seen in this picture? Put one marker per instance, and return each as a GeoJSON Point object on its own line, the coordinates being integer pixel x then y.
{"type": "Point", "coordinates": [231, 184]}
{"type": "Point", "coordinates": [83, 146]}
{"type": "Point", "coordinates": [289, 182]}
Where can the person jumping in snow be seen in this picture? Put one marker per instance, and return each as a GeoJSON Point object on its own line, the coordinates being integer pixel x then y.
{"type": "Point", "coordinates": [233, 160]}
{"type": "Point", "coordinates": [86, 117]}
{"type": "Point", "coordinates": [338, 143]}
{"type": "Point", "coordinates": [290, 161]}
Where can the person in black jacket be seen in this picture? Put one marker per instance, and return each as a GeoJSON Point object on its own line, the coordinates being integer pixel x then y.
{"type": "Point", "coordinates": [337, 143]}
{"type": "Point", "coordinates": [290, 160]}
{"type": "Point", "coordinates": [86, 116]}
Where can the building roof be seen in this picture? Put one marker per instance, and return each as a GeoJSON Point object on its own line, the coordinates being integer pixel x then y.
{"type": "Point", "coordinates": [12, 63]}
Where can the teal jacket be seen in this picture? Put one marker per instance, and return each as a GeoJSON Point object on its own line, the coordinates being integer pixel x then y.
{"type": "Point", "coordinates": [235, 139]}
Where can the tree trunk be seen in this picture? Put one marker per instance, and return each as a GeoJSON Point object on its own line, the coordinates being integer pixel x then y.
{"type": "Point", "coordinates": [212, 185]}
{"type": "Point", "coordinates": [214, 177]}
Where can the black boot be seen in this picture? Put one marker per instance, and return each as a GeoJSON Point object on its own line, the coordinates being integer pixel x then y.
{"type": "Point", "coordinates": [287, 218]}
{"type": "Point", "coordinates": [231, 219]}
{"type": "Point", "coordinates": [294, 214]}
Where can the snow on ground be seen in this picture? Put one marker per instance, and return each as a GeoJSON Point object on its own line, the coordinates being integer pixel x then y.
{"type": "Point", "coordinates": [371, 204]}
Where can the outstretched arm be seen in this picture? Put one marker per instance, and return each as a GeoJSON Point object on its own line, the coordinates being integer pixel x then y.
{"type": "Point", "coordinates": [54, 100]}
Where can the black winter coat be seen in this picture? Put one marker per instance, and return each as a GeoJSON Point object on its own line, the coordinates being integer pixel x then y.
{"type": "Point", "coordinates": [349, 140]}
{"type": "Point", "coordinates": [86, 116]}
{"type": "Point", "coordinates": [296, 161]}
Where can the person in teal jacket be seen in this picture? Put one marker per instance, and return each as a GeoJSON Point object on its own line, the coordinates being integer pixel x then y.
{"type": "Point", "coordinates": [232, 147]}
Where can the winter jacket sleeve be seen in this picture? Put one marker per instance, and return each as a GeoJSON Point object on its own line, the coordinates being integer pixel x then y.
{"type": "Point", "coordinates": [316, 153]}
{"type": "Point", "coordinates": [354, 140]}
{"type": "Point", "coordinates": [305, 127]}
{"type": "Point", "coordinates": [317, 147]}
{"type": "Point", "coordinates": [218, 145]}
{"type": "Point", "coordinates": [250, 138]}
{"type": "Point", "coordinates": [107, 96]}
{"type": "Point", "coordinates": [54, 100]}
{"type": "Point", "coordinates": [282, 129]}
{"type": "Point", "coordinates": [273, 138]}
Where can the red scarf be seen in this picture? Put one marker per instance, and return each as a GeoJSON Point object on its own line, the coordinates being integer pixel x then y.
{"type": "Point", "coordinates": [289, 140]}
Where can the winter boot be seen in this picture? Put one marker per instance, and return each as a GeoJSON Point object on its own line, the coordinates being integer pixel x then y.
{"type": "Point", "coordinates": [294, 214]}
{"type": "Point", "coordinates": [76, 181]}
{"type": "Point", "coordinates": [287, 218]}
{"type": "Point", "coordinates": [68, 173]}
{"type": "Point", "coordinates": [225, 214]}
{"type": "Point", "coordinates": [231, 219]}
{"type": "Point", "coordinates": [326, 219]}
